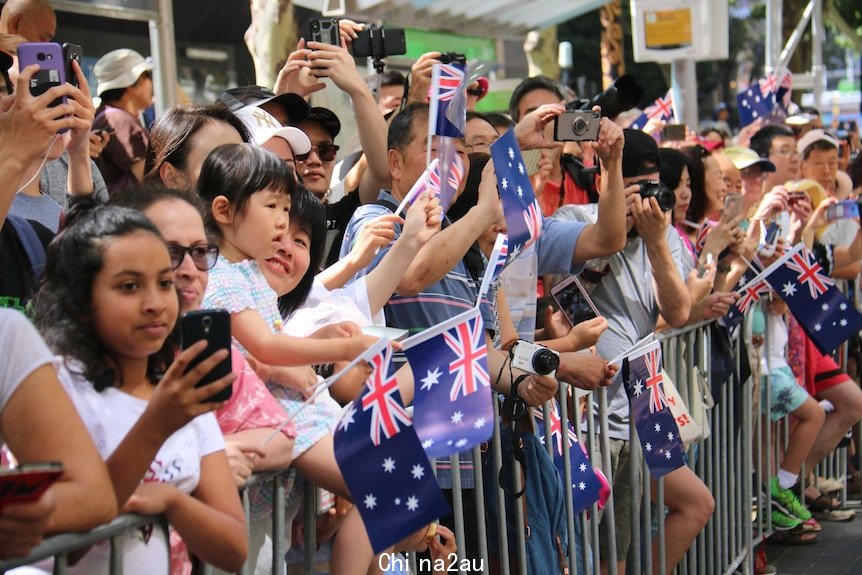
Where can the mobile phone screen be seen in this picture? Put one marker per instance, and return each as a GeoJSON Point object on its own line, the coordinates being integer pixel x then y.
{"type": "Point", "coordinates": [733, 205]}
{"type": "Point", "coordinates": [573, 301]}
{"type": "Point", "coordinates": [842, 210]}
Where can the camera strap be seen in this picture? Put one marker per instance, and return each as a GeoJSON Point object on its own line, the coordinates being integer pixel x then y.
{"type": "Point", "coordinates": [513, 413]}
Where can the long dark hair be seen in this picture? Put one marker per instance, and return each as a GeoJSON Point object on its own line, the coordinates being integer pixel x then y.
{"type": "Point", "coordinates": [238, 171]}
{"type": "Point", "coordinates": [309, 214]}
{"type": "Point", "coordinates": [699, 204]}
{"type": "Point", "coordinates": [64, 303]}
{"type": "Point", "coordinates": [673, 162]}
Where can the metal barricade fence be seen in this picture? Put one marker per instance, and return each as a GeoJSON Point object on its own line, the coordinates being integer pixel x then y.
{"type": "Point", "coordinates": [735, 462]}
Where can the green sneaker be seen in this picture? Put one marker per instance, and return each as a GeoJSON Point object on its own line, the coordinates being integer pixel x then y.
{"type": "Point", "coordinates": [786, 501]}
{"type": "Point", "coordinates": [783, 522]}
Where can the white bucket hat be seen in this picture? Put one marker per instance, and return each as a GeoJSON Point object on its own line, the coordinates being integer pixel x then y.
{"type": "Point", "coordinates": [120, 69]}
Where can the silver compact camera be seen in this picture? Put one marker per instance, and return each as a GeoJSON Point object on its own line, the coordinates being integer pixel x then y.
{"type": "Point", "coordinates": [534, 358]}
{"type": "Point", "coordinates": [577, 126]}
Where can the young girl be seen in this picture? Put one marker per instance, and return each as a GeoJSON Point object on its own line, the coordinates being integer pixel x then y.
{"type": "Point", "coordinates": [108, 306]}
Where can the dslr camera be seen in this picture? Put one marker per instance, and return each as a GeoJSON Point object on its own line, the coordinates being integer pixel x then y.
{"type": "Point", "coordinates": [453, 58]}
{"type": "Point", "coordinates": [655, 189]}
{"type": "Point", "coordinates": [534, 358]}
{"type": "Point", "coordinates": [577, 126]}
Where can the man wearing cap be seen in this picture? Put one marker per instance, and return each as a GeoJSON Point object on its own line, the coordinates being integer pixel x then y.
{"type": "Point", "coordinates": [819, 152]}
{"type": "Point", "coordinates": [753, 172]}
{"type": "Point", "coordinates": [125, 85]}
{"type": "Point", "coordinates": [644, 280]}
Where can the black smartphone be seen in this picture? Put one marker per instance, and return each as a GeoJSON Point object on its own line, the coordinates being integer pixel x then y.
{"type": "Point", "coordinates": [377, 43]}
{"type": "Point", "coordinates": [573, 301]}
{"type": "Point", "coordinates": [213, 325]}
{"type": "Point", "coordinates": [72, 52]}
{"type": "Point", "coordinates": [325, 31]}
{"type": "Point", "coordinates": [52, 70]}
{"type": "Point", "coordinates": [673, 132]}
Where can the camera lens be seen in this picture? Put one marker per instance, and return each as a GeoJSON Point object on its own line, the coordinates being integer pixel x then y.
{"type": "Point", "coordinates": [40, 56]}
{"type": "Point", "coordinates": [579, 126]}
{"type": "Point", "coordinates": [545, 361]}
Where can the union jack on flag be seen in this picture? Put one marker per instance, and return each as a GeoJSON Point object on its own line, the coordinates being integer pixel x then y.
{"type": "Point", "coordinates": [654, 380]}
{"type": "Point", "coordinates": [662, 109]}
{"type": "Point", "coordinates": [700, 239]}
{"type": "Point", "coordinates": [450, 167]}
{"type": "Point", "coordinates": [533, 219]}
{"type": "Point", "coordinates": [751, 294]}
{"type": "Point", "coordinates": [452, 409]}
{"type": "Point", "coordinates": [809, 273]}
{"type": "Point", "coordinates": [386, 410]}
{"type": "Point", "coordinates": [496, 263]}
{"type": "Point", "coordinates": [446, 80]}
{"type": "Point", "coordinates": [468, 344]}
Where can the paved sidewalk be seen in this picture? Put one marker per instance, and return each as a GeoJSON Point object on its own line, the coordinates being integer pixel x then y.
{"type": "Point", "coordinates": [838, 550]}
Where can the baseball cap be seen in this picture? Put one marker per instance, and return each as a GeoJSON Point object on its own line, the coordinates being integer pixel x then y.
{"type": "Point", "coordinates": [743, 157]}
{"type": "Point", "coordinates": [237, 98]}
{"type": "Point", "coordinates": [119, 69]}
{"type": "Point", "coordinates": [638, 148]}
{"type": "Point", "coordinates": [263, 127]}
{"type": "Point", "coordinates": [814, 136]}
{"type": "Point", "coordinates": [327, 119]}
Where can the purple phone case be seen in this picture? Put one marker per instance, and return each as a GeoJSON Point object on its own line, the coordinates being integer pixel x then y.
{"type": "Point", "coordinates": [51, 67]}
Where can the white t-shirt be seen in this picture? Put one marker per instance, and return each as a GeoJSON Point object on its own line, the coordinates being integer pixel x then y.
{"type": "Point", "coordinates": [109, 416]}
{"type": "Point", "coordinates": [23, 350]}
{"type": "Point", "coordinates": [777, 355]}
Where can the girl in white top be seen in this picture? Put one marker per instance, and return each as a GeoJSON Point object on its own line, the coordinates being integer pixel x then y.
{"type": "Point", "coordinates": [108, 306]}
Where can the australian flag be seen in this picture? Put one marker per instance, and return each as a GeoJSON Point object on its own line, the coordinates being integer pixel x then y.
{"type": "Point", "coordinates": [387, 472]}
{"type": "Point", "coordinates": [656, 427]}
{"type": "Point", "coordinates": [821, 309]}
{"type": "Point", "coordinates": [662, 109]}
{"type": "Point", "coordinates": [523, 214]}
{"type": "Point", "coordinates": [449, 172]}
{"type": "Point", "coordinates": [496, 263]}
{"type": "Point", "coordinates": [765, 99]}
{"type": "Point", "coordinates": [452, 408]}
{"type": "Point", "coordinates": [586, 486]}
{"type": "Point", "coordinates": [446, 80]}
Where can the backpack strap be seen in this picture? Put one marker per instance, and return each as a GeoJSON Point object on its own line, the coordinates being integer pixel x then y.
{"type": "Point", "coordinates": [30, 242]}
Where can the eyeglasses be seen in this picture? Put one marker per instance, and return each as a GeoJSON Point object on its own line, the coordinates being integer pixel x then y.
{"type": "Point", "coordinates": [204, 256]}
{"type": "Point", "coordinates": [786, 152]}
{"type": "Point", "coordinates": [326, 153]}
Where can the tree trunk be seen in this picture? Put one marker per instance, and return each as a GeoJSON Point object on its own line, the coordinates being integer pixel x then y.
{"type": "Point", "coordinates": [270, 37]}
{"type": "Point", "coordinates": [613, 64]}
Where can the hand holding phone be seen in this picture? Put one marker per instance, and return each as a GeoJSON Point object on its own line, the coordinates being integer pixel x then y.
{"type": "Point", "coordinates": [842, 210]}
{"type": "Point", "coordinates": [52, 68]}
{"type": "Point", "coordinates": [732, 206]}
{"type": "Point", "coordinates": [573, 301]}
{"type": "Point", "coordinates": [212, 325]}
{"type": "Point", "coordinates": [72, 52]}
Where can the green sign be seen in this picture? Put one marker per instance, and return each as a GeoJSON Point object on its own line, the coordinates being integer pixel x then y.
{"type": "Point", "coordinates": [474, 47]}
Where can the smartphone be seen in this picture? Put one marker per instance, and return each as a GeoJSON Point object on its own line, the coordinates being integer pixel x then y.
{"type": "Point", "coordinates": [375, 42]}
{"type": "Point", "coordinates": [28, 481]}
{"type": "Point", "coordinates": [72, 52]}
{"type": "Point", "coordinates": [52, 68]}
{"type": "Point", "coordinates": [673, 133]}
{"type": "Point", "coordinates": [732, 205]}
{"type": "Point", "coordinates": [795, 197]}
{"type": "Point", "coordinates": [573, 301]}
{"type": "Point", "coordinates": [325, 31]}
{"type": "Point", "coordinates": [842, 210]}
{"type": "Point", "coordinates": [768, 238]}
{"type": "Point", "coordinates": [213, 325]}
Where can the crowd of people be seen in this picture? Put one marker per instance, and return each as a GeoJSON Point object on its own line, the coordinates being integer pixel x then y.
{"type": "Point", "coordinates": [111, 230]}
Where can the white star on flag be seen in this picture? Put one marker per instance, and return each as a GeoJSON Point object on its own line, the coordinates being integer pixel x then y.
{"type": "Point", "coordinates": [521, 168]}
{"type": "Point", "coordinates": [638, 387]}
{"type": "Point", "coordinates": [843, 306]}
{"type": "Point", "coordinates": [418, 472]}
{"type": "Point", "coordinates": [817, 327]}
{"type": "Point", "coordinates": [788, 289]}
{"type": "Point", "coordinates": [648, 447]}
{"type": "Point", "coordinates": [843, 322]}
{"type": "Point", "coordinates": [397, 501]}
{"type": "Point", "coordinates": [670, 436]}
{"type": "Point", "coordinates": [457, 417]}
{"type": "Point", "coordinates": [388, 465]}
{"type": "Point", "coordinates": [427, 443]}
{"type": "Point", "coordinates": [412, 503]}
{"type": "Point", "coordinates": [520, 192]}
{"type": "Point", "coordinates": [825, 307]}
{"type": "Point", "coordinates": [433, 378]}
{"type": "Point", "coordinates": [370, 501]}
{"type": "Point", "coordinates": [657, 427]}
{"type": "Point", "coordinates": [461, 443]}
{"type": "Point", "coordinates": [583, 467]}
{"type": "Point", "coordinates": [667, 455]}
{"type": "Point", "coordinates": [347, 416]}
{"type": "Point", "coordinates": [504, 183]}
{"type": "Point", "coordinates": [480, 423]}
{"type": "Point", "coordinates": [582, 486]}
{"type": "Point", "coordinates": [511, 154]}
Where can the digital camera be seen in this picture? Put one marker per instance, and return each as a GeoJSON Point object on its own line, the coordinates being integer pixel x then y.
{"type": "Point", "coordinates": [655, 189]}
{"type": "Point", "coordinates": [535, 358]}
{"type": "Point", "coordinates": [577, 126]}
{"type": "Point", "coordinates": [453, 58]}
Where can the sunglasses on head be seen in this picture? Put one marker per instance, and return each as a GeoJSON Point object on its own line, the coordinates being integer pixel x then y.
{"type": "Point", "coordinates": [326, 152]}
{"type": "Point", "coordinates": [204, 256]}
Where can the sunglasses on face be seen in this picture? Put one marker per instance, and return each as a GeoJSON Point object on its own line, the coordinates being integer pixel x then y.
{"type": "Point", "coordinates": [204, 256]}
{"type": "Point", "coordinates": [326, 152]}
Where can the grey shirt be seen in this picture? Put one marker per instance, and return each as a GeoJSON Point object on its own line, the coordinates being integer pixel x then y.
{"type": "Point", "coordinates": [626, 298]}
{"type": "Point", "coordinates": [55, 177]}
{"type": "Point", "coordinates": [41, 208]}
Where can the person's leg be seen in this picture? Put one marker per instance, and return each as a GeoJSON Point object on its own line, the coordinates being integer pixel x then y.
{"type": "Point", "coordinates": [810, 418]}
{"type": "Point", "coordinates": [351, 548]}
{"type": "Point", "coordinates": [317, 464]}
{"type": "Point", "coordinates": [847, 399]}
{"type": "Point", "coordinates": [690, 505]}
{"type": "Point", "coordinates": [619, 469]}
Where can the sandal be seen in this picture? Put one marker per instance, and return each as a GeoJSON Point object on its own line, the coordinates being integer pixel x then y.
{"type": "Point", "coordinates": [821, 503]}
{"type": "Point", "coordinates": [836, 515]}
{"type": "Point", "coordinates": [812, 525]}
{"type": "Point", "coordinates": [796, 536]}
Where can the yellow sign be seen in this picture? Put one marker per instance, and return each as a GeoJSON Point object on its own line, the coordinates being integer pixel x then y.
{"type": "Point", "coordinates": [667, 29]}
